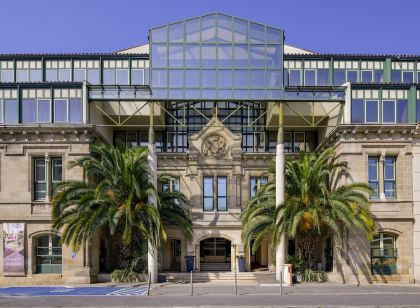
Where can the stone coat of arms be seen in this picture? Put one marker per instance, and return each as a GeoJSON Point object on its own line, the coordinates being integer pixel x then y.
{"type": "Point", "coordinates": [214, 146]}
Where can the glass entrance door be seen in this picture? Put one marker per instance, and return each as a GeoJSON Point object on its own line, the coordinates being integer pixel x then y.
{"type": "Point", "coordinates": [215, 250]}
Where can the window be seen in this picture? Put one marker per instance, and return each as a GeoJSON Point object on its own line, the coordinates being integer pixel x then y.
{"type": "Point", "coordinates": [408, 77]}
{"type": "Point", "coordinates": [75, 110]}
{"type": "Point", "coordinates": [208, 193]}
{"type": "Point", "coordinates": [7, 76]}
{"type": "Point", "coordinates": [372, 111]}
{"type": "Point", "coordinates": [40, 179]}
{"type": "Point", "coordinates": [137, 76]}
{"type": "Point", "coordinates": [41, 176]}
{"type": "Point", "coordinates": [373, 176]}
{"type": "Point", "coordinates": [294, 78]}
{"type": "Point", "coordinates": [357, 112]}
{"type": "Point", "coordinates": [322, 77]}
{"type": "Point", "coordinates": [310, 78]}
{"type": "Point", "coordinates": [28, 110]}
{"type": "Point", "coordinates": [255, 183]}
{"type": "Point", "coordinates": [396, 76]}
{"type": "Point", "coordinates": [383, 255]}
{"type": "Point", "coordinates": [11, 111]}
{"type": "Point", "coordinates": [402, 111]}
{"type": "Point", "coordinates": [389, 177]}
{"type": "Point", "coordinates": [60, 110]}
{"type": "Point", "coordinates": [352, 76]}
{"type": "Point", "coordinates": [298, 142]}
{"type": "Point", "coordinates": [339, 77]}
{"type": "Point", "coordinates": [388, 111]}
{"type": "Point", "coordinates": [48, 254]}
{"type": "Point", "coordinates": [43, 111]}
{"type": "Point", "coordinates": [379, 75]}
{"type": "Point", "coordinates": [222, 193]}
{"type": "Point", "coordinates": [367, 76]}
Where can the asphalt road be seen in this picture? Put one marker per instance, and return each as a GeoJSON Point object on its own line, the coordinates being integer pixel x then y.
{"type": "Point", "coordinates": [210, 295]}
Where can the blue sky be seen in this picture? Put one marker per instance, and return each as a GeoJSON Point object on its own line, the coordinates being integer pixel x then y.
{"type": "Point", "coordinates": [329, 26]}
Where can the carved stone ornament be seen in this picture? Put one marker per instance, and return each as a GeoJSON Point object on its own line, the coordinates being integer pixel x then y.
{"type": "Point", "coordinates": [214, 146]}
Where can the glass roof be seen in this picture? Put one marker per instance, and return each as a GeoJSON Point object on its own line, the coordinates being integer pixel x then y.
{"type": "Point", "coordinates": [216, 56]}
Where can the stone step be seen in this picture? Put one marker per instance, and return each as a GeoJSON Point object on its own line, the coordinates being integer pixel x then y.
{"type": "Point", "coordinates": [215, 267]}
{"type": "Point", "coordinates": [210, 276]}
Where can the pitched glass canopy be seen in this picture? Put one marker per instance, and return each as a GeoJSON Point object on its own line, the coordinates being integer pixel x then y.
{"type": "Point", "coordinates": [216, 56]}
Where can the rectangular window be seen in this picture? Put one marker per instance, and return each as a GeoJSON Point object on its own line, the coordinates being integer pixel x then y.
{"type": "Point", "coordinates": [322, 77]}
{"type": "Point", "coordinates": [28, 110]}
{"type": "Point", "coordinates": [7, 76]}
{"type": "Point", "coordinates": [222, 193]}
{"type": "Point", "coordinates": [388, 111]}
{"type": "Point", "coordinates": [310, 78]}
{"type": "Point", "coordinates": [389, 177]}
{"type": "Point", "coordinates": [40, 179]}
{"type": "Point", "coordinates": [64, 74]}
{"type": "Point", "coordinates": [357, 111]}
{"type": "Point", "coordinates": [367, 76]}
{"type": "Point", "coordinates": [51, 75]}
{"type": "Point", "coordinates": [122, 76]}
{"type": "Point", "coordinates": [137, 77]}
{"type": "Point", "coordinates": [60, 111]}
{"type": "Point", "coordinates": [11, 111]}
{"type": "Point", "coordinates": [287, 142]}
{"type": "Point", "coordinates": [294, 78]}
{"type": "Point", "coordinates": [56, 171]}
{"type": "Point", "coordinates": [208, 197]}
{"type": "Point", "coordinates": [22, 75]}
{"type": "Point", "coordinates": [379, 75]}
{"type": "Point", "coordinates": [396, 76]}
{"type": "Point", "coordinates": [372, 111]}
{"type": "Point", "coordinates": [352, 76]}
{"type": "Point", "coordinates": [255, 183]}
{"type": "Point", "coordinates": [402, 111]}
{"type": "Point", "coordinates": [299, 142]}
{"type": "Point", "coordinates": [79, 75]}
{"type": "Point", "coordinates": [93, 76]}
{"type": "Point", "coordinates": [339, 77]}
{"type": "Point", "coordinates": [408, 77]}
{"type": "Point", "coordinates": [109, 76]}
{"type": "Point", "coordinates": [43, 111]}
{"type": "Point", "coordinates": [373, 176]}
{"type": "Point", "coordinates": [75, 110]}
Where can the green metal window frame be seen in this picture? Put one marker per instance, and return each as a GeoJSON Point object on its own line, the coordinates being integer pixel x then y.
{"type": "Point", "coordinates": [48, 258]}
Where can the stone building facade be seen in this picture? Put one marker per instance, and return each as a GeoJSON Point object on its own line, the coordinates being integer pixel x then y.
{"type": "Point", "coordinates": [215, 91]}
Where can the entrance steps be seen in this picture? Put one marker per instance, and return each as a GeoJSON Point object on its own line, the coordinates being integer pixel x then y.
{"type": "Point", "coordinates": [184, 277]}
{"type": "Point", "coordinates": [215, 267]}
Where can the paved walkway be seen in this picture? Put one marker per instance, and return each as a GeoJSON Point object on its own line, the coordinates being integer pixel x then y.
{"type": "Point", "coordinates": [222, 294]}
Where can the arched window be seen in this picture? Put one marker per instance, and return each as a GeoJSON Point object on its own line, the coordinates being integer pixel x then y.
{"type": "Point", "coordinates": [383, 254]}
{"type": "Point", "coordinates": [48, 254]}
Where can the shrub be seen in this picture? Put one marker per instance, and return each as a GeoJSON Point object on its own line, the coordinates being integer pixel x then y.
{"type": "Point", "coordinates": [309, 275]}
{"type": "Point", "coordinates": [127, 275]}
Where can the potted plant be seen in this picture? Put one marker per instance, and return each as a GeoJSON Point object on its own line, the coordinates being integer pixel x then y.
{"type": "Point", "coordinates": [241, 263]}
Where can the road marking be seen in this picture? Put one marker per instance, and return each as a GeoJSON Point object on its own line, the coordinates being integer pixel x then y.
{"type": "Point", "coordinates": [128, 292]}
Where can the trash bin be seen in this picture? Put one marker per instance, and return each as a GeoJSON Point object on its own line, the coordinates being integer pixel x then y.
{"type": "Point", "coordinates": [189, 260]}
{"type": "Point", "coordinates": [241, 264]}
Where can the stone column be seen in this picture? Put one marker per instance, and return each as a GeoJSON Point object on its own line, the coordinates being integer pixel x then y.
{"type": "Point", "coordinates": [152, 256]}
{"type": "Point", "coordinates": [280, 253]}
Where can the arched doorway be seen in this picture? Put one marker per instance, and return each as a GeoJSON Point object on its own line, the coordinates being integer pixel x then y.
{"type": "Point", "coordinates": [215, 254]}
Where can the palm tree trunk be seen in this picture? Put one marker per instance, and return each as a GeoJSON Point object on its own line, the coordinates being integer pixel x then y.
{"type": "Point", "coordinates": [125, 253]}
{"type": "Point", "coordinates": [306, 244]}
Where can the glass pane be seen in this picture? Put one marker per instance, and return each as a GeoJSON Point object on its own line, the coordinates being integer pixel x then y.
{"type": "Point", "coordinates": [252, 186]}
{"type": "Point", "coordinates": [109, 76]}
{"type": "Point", "coordinates": [294, 78]}
{"type": "Point", "coordinates": [7, 76]}
{"type": "Point", "coordinates": [274, 36]}
{"type": "Point", "coordinates": [352, 76]}
{"type": "Point", "coordinates": [402, 111]}
{"type": "Point", "coordinates": [137, 77]}
{"type": "Point", "coordinates": [176, 56]}
{"type": "Point", "coordinates": [79, 75]}
{"type": "Point", "coordinates": [339, 77]}
{"type": "Point", "coordinates": [273, 79]}
{"type": "Point", "coordinates": [322, 75]}
{"type": "Point", "coordinates": [389, 168]}
{"type": "Point", "coordinates": [389, 187]}
{"type": "Point", "coordinates": [192, 78]}
{"type": "Point", "coordinates": [388, 111]}
{"type": "Point", "coordinates": [159, 35]}
{"type": "Point", "coordinates": [43, 241]}
{"type": "Point", "coordinates": [57, 169]}
{"type": "Point", "coordinates": [241, 56]}
{"type": "Point", "coordinates": [208, 204]}
{"type": "Point", "coordinates": [408, 77]}
{"type": "Point", "coordinates": [176, 78]}
{"type": "Point", "coordinates": [44, 111]}
{"type": "Point", "coordinates": [75, 109]}
{"type": "Point", "coordinates": [373, 168]}
{"type": "Point", "coordinates": [208, 28]}
{"type": "Point", "coordinates": [221, 186]}
{"type": "Point", "coordinates": [51, 75]}
{"type": "Point", "coordinates": [40, 170]}
{"type": "Point", "coordinates": [357, 112]}
{"type": "Point", "coordinates": [225, 56]}
{"type": "Point", "coordinates": [192, 56]}
{"type": "Point", "coordinates": [241, 31]}
{"type": "Point", "coordinates": [93, 76]}
{"type": "Point", "coordinates": [257, 33]}
{"type": "Point", "coordinates": [225, 79]}
{"type": "Point", "coordinates": [372, 111]}
{"type": "Point", "coordinates": [35, 75]}
{"type": "Point", "coordinates": [176, 33]}
{"type": "Point", "coordinates": [22, 75]}
{"type": "Point", "coordinates": [28, 110]}
{"type": "Point", "coordinates": [396, 76]}
{"type": "Point", "coordinates": [258, 78]}
{"type": "Point", "coordinates": [208, 78]}
{"type": "Point", "coordinates": [159, 55]}
{"type": "Point", "coordinates": [122, 77]}
{"type": "Point", "coordinates": [379, 75]}
{"type": "Point", "coordinates": [11, 114]}
{"type": "Point", "coordinates": [208, 56]}
{"type": "Point", "coordinates": [208, 186]}
{"type": "Point", "coordinates": [159, 78]}
{"type": "Point", "coordinates": [241, 79]}
{"type": "Point", "coordinates": [299, 142]}
{"type": "Point", "coordinates": [60, 110]}
{"type": "Point", "coordinates": [274, 56]}
{"type": "Point", "coordinates": [64, 74]}
{"type": "Point", "coordinates": [221, 204]}
{"type": "Point", "coordinates": [367, 76]}
{"type": "Point", "coordinates": [192, 31]}
{"type": "Point", "coordinates": [309, 77]}
{"type": "Point", "coordinates": [258, 56]}
{"type": "Point", "coordinates": [224, 30]}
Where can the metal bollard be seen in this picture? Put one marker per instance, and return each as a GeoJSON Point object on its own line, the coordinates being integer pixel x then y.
{"type": "Point", "coordinates": [281, 283]}
{"type": "Point", "coordinates": [236, 284]}
{"type": "Point", "coordinates": [148, 284]}
{"type": "Point", "coordinates": [191, 282]}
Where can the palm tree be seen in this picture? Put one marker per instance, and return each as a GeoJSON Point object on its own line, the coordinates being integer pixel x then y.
{"type": "Point", "coordinates": [313, 204]}
{"type": "Point", "coordinates": [115, 196]}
